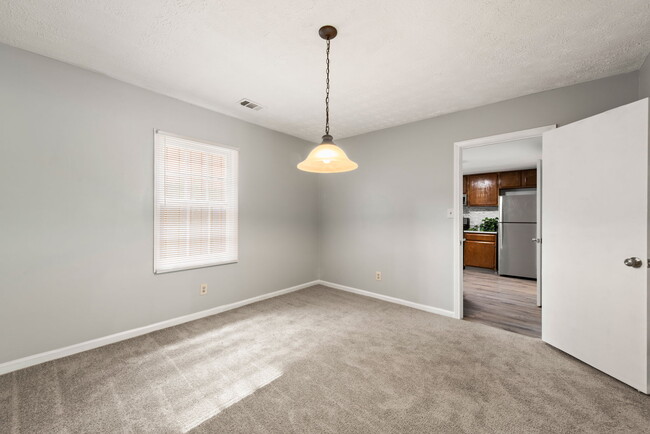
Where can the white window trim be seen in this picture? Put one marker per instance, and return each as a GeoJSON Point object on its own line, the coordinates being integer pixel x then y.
{"type": "Point", "coordinates": [158, 134]}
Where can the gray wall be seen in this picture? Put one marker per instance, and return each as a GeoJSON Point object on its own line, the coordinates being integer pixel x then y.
{"type": "Point", "coordinates": [644, 79]}
{"type": "Point", "coordinates": [390, 214]}
{"type": "Point", "coordinates": [76, 217]}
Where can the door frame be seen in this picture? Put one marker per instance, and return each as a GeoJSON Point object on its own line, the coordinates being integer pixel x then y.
{"type": "Point", "coordinates": [458, 205]}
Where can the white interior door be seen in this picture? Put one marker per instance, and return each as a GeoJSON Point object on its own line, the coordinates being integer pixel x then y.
{"type": "Point", "coordinates": [538, 235]}
{"type": "Point", "coordinates": [595, 215]}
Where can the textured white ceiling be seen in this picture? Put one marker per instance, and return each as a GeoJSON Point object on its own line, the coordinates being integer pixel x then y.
{"type": "Point", "coordinates": [513, 155]}
{"type": "Point", "coordinates": [393, 62]}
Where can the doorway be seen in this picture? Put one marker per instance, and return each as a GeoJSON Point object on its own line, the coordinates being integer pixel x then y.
{"type": "Point", "coordinates": [497, 232]}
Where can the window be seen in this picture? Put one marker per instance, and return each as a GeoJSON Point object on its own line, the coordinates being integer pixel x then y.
{"type": "Point", "coordinates": [195, 200]}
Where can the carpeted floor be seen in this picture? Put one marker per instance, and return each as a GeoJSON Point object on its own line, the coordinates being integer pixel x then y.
{"type": "Point", "coordinates": [321, 360]}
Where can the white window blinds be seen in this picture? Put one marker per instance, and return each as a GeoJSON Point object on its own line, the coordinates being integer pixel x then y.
{"type": "Point", "coordinates": [195, 216]}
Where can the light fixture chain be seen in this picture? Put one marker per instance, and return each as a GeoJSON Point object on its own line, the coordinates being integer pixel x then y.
{"type": "Point", "coordinates": [327, 90]}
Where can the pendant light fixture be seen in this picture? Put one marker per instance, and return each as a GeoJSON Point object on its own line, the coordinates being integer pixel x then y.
{"type": "Point", "coordinates": [327, 157]}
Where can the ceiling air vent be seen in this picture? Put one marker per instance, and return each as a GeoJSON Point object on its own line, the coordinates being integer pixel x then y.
{"type": "Point", "coordinates": [250, 104]}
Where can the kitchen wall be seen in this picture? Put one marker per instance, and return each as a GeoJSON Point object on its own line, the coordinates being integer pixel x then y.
{"type": "Point", "coordinates": [644, 79]}
{"type": "Point", "coordinates": [476, 214]}
{"type": "Point", "coordinates": [76, 221]}
{"type": "Point", "coordinates": [390, 214]}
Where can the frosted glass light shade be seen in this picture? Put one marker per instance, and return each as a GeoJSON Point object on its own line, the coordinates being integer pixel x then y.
{"type": "Point", "coordinates": [327, 158]}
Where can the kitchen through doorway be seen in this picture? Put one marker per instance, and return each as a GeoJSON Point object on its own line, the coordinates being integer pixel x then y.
{"type": "Point", "coordinates": [498, 185]}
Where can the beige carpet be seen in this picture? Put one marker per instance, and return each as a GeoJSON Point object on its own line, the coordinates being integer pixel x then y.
{"type": "Point", "coordinates": [321, 360]}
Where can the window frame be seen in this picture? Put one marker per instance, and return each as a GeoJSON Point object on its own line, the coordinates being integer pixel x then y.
{"type": "Point", "coordinates": [234, 167]}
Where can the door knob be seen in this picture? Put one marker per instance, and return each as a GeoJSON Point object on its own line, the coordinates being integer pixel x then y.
{"type": "Point", "coordinates": [633, 262]}
{"type": "Point", "coordinates": [536, 240]}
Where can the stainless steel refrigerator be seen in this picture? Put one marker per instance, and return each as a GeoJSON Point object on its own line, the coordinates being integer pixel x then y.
{"type": "Point", "coordinates": [517, 229]}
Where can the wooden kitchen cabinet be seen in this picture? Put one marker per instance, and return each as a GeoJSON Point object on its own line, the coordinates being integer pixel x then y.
{"type": "Point", "coordinates": [529, 178]}
{"type": "Point", "coordinates": [483, 190]}
{"type": "Point", "coordinates": [510, 179]}
{"type": "Point", "coordinates": [480, 250]}
{"type": "Point", "coordinates": [518, 179]}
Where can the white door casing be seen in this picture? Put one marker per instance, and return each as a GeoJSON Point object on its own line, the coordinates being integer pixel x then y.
{"type": "Point", "coordinates": [458, 204]}
{"type": "Point", "coordinates": [595, 215]}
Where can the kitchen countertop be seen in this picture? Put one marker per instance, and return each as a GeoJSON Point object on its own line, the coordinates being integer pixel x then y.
{"type": "Point", "coordinates": [479, 232]}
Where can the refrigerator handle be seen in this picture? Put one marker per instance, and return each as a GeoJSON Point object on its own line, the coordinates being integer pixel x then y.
{"type": "Point", "coordinates": [500, 236]}
{"type": "Point", "coordinates": [500, 225]}
{"type": "Point", "coordinates": [500, 209]}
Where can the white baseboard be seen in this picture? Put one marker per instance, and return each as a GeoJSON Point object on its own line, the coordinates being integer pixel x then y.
{"type": "Point", "coordinates": [35, 359]}
{"type": "Point", "coordinates": [389, 299]}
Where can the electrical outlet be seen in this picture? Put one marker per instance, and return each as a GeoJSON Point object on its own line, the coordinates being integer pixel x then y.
{"type": "Point", "coordinates": [204, 288]}
{"type": "Point", "coordinates": [377, 275]}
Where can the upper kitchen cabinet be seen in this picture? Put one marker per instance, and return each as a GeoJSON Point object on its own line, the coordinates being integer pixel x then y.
{"type": "Point", "coordinates": [483, 190]}
{"type": "Point", "coordinates": [518, 179]}
{"type": "Point", "coordinates": [510, 179]}
{"type": "Point", "coordinates": [529, 178]}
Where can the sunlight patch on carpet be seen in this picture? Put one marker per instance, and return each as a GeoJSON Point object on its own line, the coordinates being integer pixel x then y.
{"type": "Point", "coordinates": [233, 393]}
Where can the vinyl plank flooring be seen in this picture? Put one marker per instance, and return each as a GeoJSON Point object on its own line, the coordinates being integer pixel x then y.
{"type": "Point", "coordinates": [507, 303]}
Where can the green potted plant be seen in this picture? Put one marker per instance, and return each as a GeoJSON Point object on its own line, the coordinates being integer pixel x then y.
{"type": "Point", "coordinates": [490, 224]}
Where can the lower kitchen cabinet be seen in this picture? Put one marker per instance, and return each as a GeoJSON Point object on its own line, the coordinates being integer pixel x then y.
{"type": "Point", "coordinates": [480, 250]}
